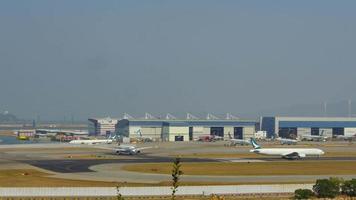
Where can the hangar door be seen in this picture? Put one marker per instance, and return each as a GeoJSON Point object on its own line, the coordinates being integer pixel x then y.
{"type": "Point", "coordinates": [338, 131]}
{"type": "Point", "coordinates": [218, 131]}
{"type": "Point", "coordinates": [288, 132]}
{"type": "Point", "coordinates": [315, 131]}
{"type": "Point", "coordinates": [178, 138]}
{"type": "Point", "coordinates": [238, 132]}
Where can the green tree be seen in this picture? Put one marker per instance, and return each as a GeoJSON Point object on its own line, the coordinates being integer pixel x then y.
{"type": "Point", "coordinates": [337, 182]}
{"type": "Point", "coordinates": [303, 194]}
{"type": "Point", "coordinates": [176, 173]}
{"type": "Point", "coordinates": [349, 188]}
{"type": "Point", "coordinates": [326, 188]}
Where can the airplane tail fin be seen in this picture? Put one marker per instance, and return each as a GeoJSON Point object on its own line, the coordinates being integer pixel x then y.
{"type": "Point", "coordinates": [139, 133]}
{"type": "Point", "coordinates": [254, 144]}
{"type": "Point", "coordinates": [111, 137]}
{"type": "Point", "coordinates": [229, 135]}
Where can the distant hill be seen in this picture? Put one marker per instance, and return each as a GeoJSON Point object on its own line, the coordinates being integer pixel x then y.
{"type": "Point", "coordinates": [7, 117]}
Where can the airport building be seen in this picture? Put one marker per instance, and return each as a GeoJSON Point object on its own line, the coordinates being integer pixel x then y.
{"type": "Point", "coordinates": [101, 126]}
{"type": "Point", "coordinates": [292, 127]}
{"type": "Point", "coordinates": [184, 129]}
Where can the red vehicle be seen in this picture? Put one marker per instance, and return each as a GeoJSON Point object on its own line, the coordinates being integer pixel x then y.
{"type": "Point", "coordinates": [208, 138]}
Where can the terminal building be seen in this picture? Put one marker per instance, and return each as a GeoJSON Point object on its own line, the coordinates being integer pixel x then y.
{"type": "Point", "coordinates": [101, 126]}
{"type": "Point", "coordinates": [292, 127]}
{"type": "Point", "coordinates": [185, 129]}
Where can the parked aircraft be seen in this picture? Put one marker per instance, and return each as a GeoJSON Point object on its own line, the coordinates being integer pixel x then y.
{"type": "Point", "coordinates": [109, 140]}
{"type": "Point", "coordinates": [142, 138]}
{"type": "Point", "coordinates": [129, 149]}
{"type": "Point", "coordinates": [286, 141]}
{"type": "Point", "coordinates": [287, 153]}
{"type": "Point", "coordinates": [346, 137]}
{"type": "Point", "coordinates": [318, 138]}
{"type": "Point", "coordinates": [234, 141]}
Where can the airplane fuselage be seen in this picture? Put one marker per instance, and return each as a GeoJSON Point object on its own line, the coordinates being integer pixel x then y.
{"type": "Point", "coordinates": [129, 150]}
{"type": "Point", "coordinates": [285, 152]}
{"type": "Point", "coordinates": [91, 141]}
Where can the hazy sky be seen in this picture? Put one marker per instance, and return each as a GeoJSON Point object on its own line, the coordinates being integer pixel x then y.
{"type": "Point", "coordinates": [100, 58]}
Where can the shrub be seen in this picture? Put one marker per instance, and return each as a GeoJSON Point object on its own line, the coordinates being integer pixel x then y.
{"type": "Point", "coordinates": [326, 188]}
{"type": "Point", "coordinates": [303, 194]}
{"type": "Point", "coordinates": [337, 181]}
{"type": "Point", "coordinates": [349, 188]}
{"type": "Point", "coordinates": [176, 173]}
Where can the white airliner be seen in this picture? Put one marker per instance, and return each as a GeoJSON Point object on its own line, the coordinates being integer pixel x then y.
{"type": "Point", "coordinates": [287, 141]}
{"type": "Point", "coordinates": [129, 149]}
{"type": "Point", "coordinates": [318, 138]}
{"type": "Point", "coordinates": [287, 153]}
{"type": "Point", "coordinates": [234, 141]}
{"type": "Point", "coordinates": [91, 142]}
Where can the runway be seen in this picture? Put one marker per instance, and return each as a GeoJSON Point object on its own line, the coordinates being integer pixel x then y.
{"type": "Point", "coordinates": [85, 162]}
{"type": "Point", "coordinates": [81, 165]}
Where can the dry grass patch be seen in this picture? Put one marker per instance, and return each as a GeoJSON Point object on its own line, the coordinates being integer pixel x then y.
{"type": "Point", "coordinates": [7, 133]}
{"type": "Point", "coordinates": [252, 168]}
{"type": "Point", "coordinates": [34, 178]}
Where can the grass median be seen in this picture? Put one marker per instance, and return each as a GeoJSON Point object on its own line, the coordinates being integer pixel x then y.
{"type": "Point", "coordinates": [34, 178]}
{"type": "Point", "coordinates": [252, 168]}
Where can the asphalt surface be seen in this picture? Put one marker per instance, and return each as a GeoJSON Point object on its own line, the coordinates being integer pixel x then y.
{"type": "Point", "coordinates": [85, 162]}
{"type": "Point", "coordinates": [81, 165]}
{"type": "Point", "coordinates": [72, 166]}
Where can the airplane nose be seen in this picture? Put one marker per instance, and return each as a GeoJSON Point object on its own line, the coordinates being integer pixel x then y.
{"type": "Point", "coordinates": [322, 152]}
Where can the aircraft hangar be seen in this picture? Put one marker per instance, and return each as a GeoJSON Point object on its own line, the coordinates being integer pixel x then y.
{"type": "Point", "coordinates": [184, 129]}
{"type": "Point", "coordinates": [292, 127]}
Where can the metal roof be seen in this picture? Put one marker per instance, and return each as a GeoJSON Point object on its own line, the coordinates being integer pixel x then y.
{"type": "Point", "coordinates": [320, 124]}
{"type": "Point", "coordinates": [160, 122]}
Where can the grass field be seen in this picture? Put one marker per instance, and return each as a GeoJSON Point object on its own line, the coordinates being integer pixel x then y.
{"type": "Point", "coordinates": [34, 178]}
{"type": "Point", "coordinates": [7, 133]}
{"type": "Point", "coordinates": [252, 168]}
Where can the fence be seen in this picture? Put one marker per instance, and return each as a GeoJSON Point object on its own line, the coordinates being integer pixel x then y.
{"type": "Point", "coordinates": [149, 191]}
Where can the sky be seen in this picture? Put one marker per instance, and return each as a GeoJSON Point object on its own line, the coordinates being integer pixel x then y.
{"type": "Point", "coordinates": [88, 58]}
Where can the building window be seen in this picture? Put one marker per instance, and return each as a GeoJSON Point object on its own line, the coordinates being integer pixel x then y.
{"type": "Point", "coordinates": [314, 131]}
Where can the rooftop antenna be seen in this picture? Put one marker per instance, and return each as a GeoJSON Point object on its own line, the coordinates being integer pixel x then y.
{"type": "Point", "coordinates": [169, 116]}
{"type": "Point", "coordinates": [190, 116]}
{"type": "Point", "coordinates": [127, 116]}
{"type": "Point", "coordinates": [211, 116]}
{"type": "Point", "coordinates": [349, 107]}
{"type": "Point", "coordinates": [149, 116]}
{"type": "Point", "coordinates": [230, 116]}
{"type": "Point", "coordinates": [325, 108]}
